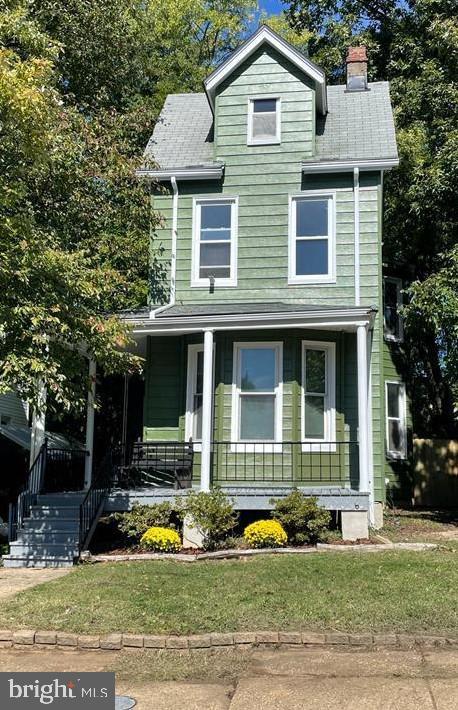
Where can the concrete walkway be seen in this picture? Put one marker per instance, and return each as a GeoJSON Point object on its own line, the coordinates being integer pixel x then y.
{"type": "Point", "coordinates": [303, 679]}
{"type": "Point", "coordinates": [13, 580]}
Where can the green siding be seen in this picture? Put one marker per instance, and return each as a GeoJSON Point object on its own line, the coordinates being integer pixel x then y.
{"type": "Point", "coordinates": [264, 178]}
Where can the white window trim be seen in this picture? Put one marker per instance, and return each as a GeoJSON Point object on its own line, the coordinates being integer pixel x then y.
{"type": "Point", "coordinates": [389, 336]}
{"type": "Point", "coordinates": [275, 140]}
{"type": "Point", "coordinates": [397, 455]}
{"type": "Point", "coordinates": [191, 376]}
{"type": "Point", "coordinates": [257, 446]}
{"type": "Point", "coordinates": [196, 281]}
{"type": "Point", "coordinates": [330, 398]}
{"type": "Point", "coordinates": [330, 277]}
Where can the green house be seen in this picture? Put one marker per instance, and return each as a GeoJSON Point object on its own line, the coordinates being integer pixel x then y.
{"type": "Point", "coordinates": [268, 354]}
{"type": "Point", "coordinates": [271, 336]}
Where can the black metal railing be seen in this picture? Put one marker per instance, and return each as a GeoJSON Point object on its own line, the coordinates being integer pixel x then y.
{"type": "Point", "coordinates": [20, 509]}
{"type": "Point", "coordinates": [64, 470]}
{"type": "Point", "coordinates": [94, 498]}
{"type": "Point", "coordinates": [285, 462]}
{"type": "Point", "coordinates": [153, 464]}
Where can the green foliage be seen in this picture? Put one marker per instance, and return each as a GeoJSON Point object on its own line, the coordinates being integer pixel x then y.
{"type": "Point", "coordinates": [304, 521]}
{"type": "Point", "coordinates": [414, 45]}
{"type": "Point", "coordinates": [137, 521]}
{"type": "Point", "coordinates": [212, 514]}
{"type": "Point", "coordinates": [81, 84]}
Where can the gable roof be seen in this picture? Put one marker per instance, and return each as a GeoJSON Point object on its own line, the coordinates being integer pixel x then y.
{"type": "Point", "coordinates": [264, 35]}
{"type": "Point", "coordinates": [358, 126]}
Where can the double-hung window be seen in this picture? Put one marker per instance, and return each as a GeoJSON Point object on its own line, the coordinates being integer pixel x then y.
{"type": "Point", "coordinates": [396, 434]}
{"type": "Point", "coordinates": [264, 121]}
{"type": "Point", "coordinates": [392, 302]}
{"type": "Point", "coordinates": [318, 392]}
{"type": "Point", "coordinates": [312, 237]}
{"type": "Point", "coordinates": [257, 392]}
{"type": "Point", "coordinates": [214, 242]}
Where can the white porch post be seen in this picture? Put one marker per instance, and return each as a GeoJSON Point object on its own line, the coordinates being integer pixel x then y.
{"type": "Point", "coordinates": [207, 411]}
{"type": "Point", "coordinates": [38, 423]}
{"type": "Point", "coordinates": [90, 415]}
{"type": "Point", "coordinates": [363, 419]}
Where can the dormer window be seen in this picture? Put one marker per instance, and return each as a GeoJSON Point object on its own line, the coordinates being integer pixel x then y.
{"type": "Point", "coordinates": [263, 121]}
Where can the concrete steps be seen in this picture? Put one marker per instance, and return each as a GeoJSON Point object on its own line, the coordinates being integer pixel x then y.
{"type": "Point", "coordinates": [50, 536]}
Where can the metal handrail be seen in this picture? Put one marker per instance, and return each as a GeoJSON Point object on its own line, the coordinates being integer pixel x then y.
{"type": "Point", "coordinates": [28, 495]}
{"type": "Point", "coordinates": [95, 495]}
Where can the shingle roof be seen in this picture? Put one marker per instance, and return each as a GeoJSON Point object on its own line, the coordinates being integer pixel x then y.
{"type": "Point", "coordinates": [358, 125]}
{"type": "Point", "coordinates": [183, 134]}
{"type": "Point", "coordinates": [223, 309]}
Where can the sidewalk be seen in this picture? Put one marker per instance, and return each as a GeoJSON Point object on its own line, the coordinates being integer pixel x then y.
{"type": "Point", "coordinates": [13, 581]}
{"type": "Point", "coordinates": [289, 679]}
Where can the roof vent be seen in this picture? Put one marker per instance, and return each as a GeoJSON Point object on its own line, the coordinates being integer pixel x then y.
{"type": "Point", "coordinates": [356, 69]}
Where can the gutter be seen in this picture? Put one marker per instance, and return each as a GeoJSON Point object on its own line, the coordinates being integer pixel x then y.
{"type": "Point", "coordinates": [173, 258]}
{"type": "Point", "coordinates": [205, 173]}
{"type": "Point", "coordinates": [349, 165]}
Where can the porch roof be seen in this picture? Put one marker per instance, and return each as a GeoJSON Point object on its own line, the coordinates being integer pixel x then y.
{"type": "Point", "coordinates": [238, 316]}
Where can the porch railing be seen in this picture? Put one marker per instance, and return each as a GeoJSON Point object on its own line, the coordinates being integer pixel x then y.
{"type": "Point", "coordinates": [20, 509]}
{"type": "Point", "coordinates": [292, 462]}
{"type": "Point", "coordinates": [153, 464]}
{"type": "Point", "coordinates": [92, 503]}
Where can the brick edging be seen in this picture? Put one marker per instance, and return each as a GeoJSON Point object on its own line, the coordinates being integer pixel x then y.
{"type": "Point", "coordinates": [115, 641]}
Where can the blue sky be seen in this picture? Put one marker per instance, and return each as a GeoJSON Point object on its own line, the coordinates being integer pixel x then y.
{"type": "Point", "coordinates": [272, 7]}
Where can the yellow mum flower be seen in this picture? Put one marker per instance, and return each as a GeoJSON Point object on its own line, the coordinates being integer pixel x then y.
{"type": "Point", "coordinates": [161, 540]}
{"type": "Point", "coordinates": [265, 533]}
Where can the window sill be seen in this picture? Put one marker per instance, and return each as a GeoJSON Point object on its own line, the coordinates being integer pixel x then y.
{"type": "Point", "coordinates": [311, 281]}
{"type": "Point", "coordinates": [275, 141]}
{"type": "Point", "coordinates": [251, 447]}
{"type": "Point", "coordinates": [393, 456]}
{"type": "Point", "coordinates": [321, 447]}
{"type": "Point", "coordinates": [393, 338]}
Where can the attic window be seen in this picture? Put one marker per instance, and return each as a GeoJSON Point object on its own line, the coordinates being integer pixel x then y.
{"type": "Point", "coordinates": [263, 121]}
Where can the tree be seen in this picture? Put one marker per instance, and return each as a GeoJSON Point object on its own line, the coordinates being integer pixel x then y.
{"type": "Point", "coordinates": [81, 84]}
{"type": "Point", "coordinates": [414, 44]}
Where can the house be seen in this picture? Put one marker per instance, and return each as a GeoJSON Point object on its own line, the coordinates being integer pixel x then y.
{"type": "Point", "coordinates": [267, 368]}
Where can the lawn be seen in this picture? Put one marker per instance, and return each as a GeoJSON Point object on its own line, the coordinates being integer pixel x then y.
{"type": "Point", "coordinates": [400, 591]}
{"type": "Point", "coordinates": [437, 526]}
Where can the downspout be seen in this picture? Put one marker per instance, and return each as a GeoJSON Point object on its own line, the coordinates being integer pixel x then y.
{"type": "Point", "coordinates": [173, 259]}
{"type": "Point", "coordinates": [357, 245]}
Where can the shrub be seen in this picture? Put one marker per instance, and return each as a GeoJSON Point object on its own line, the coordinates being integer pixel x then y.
{"type": "Point", "coordinates": [303, 519]}
{"type": "Point", "coordinates": [212, 514]}
{"type": "Point", "coordinates": [265, 533]}
{"type": "Point", "coordinates": [142, 517]}
{"type": "Point", "coordinates": [161, 540]}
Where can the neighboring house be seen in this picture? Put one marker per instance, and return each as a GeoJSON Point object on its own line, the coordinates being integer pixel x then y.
{"type": "Point", "coordinates": [268, 368]}
{"type": "Point", "coordinates": [13, 411]}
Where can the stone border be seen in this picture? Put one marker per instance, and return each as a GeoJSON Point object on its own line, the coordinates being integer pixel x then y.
{"type": "Point", "coordinates": [237, 553]}
{"type": "Point", "coordinates": [27, 639]}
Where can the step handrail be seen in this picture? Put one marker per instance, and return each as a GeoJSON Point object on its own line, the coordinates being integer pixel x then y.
{"type": "Point", "coordinates": [28, 495]}
{"type": "Point", "coordinates": [91, 505]}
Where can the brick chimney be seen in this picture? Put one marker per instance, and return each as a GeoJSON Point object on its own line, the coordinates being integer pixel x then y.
{"type": "Point", "coordinates": [356, 69]}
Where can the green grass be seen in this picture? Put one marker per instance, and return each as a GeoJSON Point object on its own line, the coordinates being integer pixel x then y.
{"type": "Point", "coordinates": [400, 591]}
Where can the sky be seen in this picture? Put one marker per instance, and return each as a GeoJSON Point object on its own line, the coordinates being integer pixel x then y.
{"type": "Point", "coordinates": [272, 7]}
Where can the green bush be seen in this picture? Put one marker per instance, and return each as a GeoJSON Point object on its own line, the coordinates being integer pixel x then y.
{"type": "Point", "coordinates": [304, 521]}
{"type": "Point", "coordinates": [137, 521]}
{"type": "Point", "coordinates": [212, 514]}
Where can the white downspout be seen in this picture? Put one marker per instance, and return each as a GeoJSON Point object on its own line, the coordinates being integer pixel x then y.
{"type": "Point", "coordinates": [173, 258]}
{"type": "Point", "coordinates": [357, 239]}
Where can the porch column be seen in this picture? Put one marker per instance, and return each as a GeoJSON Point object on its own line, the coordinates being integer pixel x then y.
{"type": "Point", "coordinates": [363, 419]}
{"type": "Point", "coordinates": [207, 411]}
{"type": "Point", "coordinates": [38, 423]}
{"type": "Point", "coordinates": [90, 415]}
